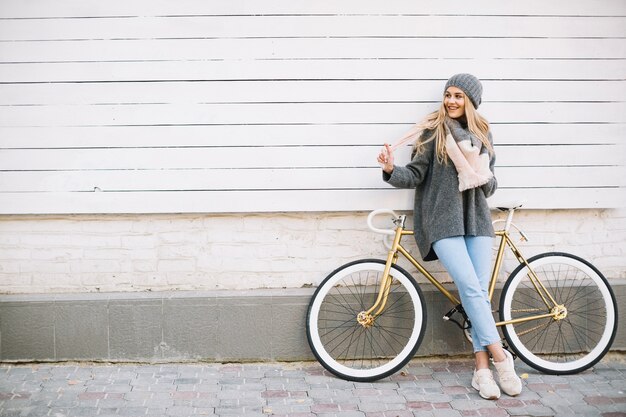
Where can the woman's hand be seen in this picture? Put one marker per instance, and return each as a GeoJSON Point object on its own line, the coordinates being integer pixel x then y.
{"type": "Point", "coordinates": [385, 159]}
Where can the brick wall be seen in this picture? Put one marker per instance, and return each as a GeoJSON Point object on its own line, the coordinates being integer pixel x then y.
{"type": "Point", "coordinates": [90, 253]}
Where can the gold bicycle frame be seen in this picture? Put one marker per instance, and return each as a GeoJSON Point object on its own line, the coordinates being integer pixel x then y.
{"type": "Point", "coordinates": [366, 317]}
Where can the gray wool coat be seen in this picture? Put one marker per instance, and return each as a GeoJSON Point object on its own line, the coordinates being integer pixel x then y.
{"type": "Point", "coordinates": [440, 209]}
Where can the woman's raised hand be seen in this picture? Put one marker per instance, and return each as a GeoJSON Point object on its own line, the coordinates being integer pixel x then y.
{"type": "Point", "coordinates": [385, 158]}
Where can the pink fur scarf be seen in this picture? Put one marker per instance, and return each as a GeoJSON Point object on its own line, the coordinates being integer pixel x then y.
{"type": "Point", "coordinates": [469, 156]}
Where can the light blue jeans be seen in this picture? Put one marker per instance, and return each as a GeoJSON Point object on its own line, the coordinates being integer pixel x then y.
{"type": "Point", "coordinates": [468, 261]}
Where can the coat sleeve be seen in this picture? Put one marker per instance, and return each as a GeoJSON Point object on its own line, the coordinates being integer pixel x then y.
{"type": "Point", "coordinates": [492, 185]}
{"type": "Point", "coordinates": [411, 175]}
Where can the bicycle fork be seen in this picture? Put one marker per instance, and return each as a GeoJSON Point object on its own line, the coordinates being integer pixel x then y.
{"type": "Point", "coordinates": [366, 318]}
{"type": "Point", "coordinates": [557, 311]}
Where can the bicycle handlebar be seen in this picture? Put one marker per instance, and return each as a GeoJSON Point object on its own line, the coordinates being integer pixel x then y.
{"type": "Point", "coordinates": [375, 213]}
{"type": "Point", "coordinates": [391, 232]}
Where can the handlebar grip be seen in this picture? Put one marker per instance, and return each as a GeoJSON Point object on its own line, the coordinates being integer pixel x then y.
{"type": "Point", "coordinates": [375, 213]}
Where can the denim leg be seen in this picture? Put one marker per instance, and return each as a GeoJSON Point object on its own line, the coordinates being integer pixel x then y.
{"type": "Point", "coordinates": [468, 260]}
{"type": "Point", "coordinates": [480, 251]}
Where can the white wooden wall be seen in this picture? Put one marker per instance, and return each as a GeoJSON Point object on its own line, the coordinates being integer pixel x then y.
{"type": "Point", "coordinates": [153, 106]}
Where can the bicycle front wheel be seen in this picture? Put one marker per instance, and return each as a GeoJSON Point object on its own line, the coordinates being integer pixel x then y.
{"type": "Point", "coordinates": [574, 341]}
{"type": "Point", "coordinates": [358, 352]}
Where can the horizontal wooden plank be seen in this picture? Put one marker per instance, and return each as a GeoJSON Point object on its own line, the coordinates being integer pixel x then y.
{"type": "Point", "coordinates": [264, 26]}
{"type": "Point", "coordinates": [563, 198]}
{"type": "Point", "coordinates": [437, 69]}
{"type": "Point", "coordinates": [561, 177]}
{"type": "Point", "coordinates": [173, 158]}
{"type": "Point", "coordinates": [311, 91]}
{"type": "Point", "coordinates": [539, 156]}
{"type": "Point", "coordinates": [202, 179]}
{"type": "Point", "coordinates": [297, 113]}
{"type": "Point", "coordinates": [282, 179]}
{"type": "Point", "coordinates": [282, 201]}
{"type": "Point", "coordinates": [282, 135]}
{"type": "Point", "coordinates": [288, 48]}
{"type": "Point", "coordinates": [282, 157]}
{"type": "Point", "coordinates": [80, 8]}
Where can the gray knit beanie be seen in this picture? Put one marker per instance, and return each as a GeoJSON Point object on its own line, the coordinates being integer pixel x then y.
{"type": "Point", "coordinates": [470, 85]}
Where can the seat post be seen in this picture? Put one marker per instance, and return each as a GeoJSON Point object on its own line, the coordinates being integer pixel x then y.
{"type": "Point", "coordinates": [509, 219]}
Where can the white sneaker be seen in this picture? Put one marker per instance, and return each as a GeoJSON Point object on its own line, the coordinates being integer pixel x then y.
{"type": "Point", "coordinates": [510, 383]}
{"type": "Point", "coordinates": [483, 382]}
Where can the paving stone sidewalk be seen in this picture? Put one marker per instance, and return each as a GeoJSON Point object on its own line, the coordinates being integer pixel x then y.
{"type": "Point", "coordinates": [428, 387]}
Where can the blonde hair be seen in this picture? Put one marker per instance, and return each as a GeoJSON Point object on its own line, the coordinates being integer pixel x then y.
{"type": "Point", "coordinates": [435, 123]}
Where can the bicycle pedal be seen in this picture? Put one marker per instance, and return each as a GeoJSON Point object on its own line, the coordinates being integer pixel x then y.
{"type": "Point", "coordinates": [449, 314]}
{"type": "Point", "coordinates": [508, 349]}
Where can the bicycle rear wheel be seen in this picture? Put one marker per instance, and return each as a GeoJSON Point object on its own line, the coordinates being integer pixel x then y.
{"type": "Point", "coordinates": [365, 353]}
{"type": "Point", "coordinates": [574, 342]}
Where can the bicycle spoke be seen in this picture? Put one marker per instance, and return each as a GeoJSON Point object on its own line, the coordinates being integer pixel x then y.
{"type": "Point", "coordinates": [367, 349]}
{"type": "Point", "coordinates": [566, 343]}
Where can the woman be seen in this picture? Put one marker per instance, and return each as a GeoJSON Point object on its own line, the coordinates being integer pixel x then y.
{"type": "Point", "coordinates": [452, 173]}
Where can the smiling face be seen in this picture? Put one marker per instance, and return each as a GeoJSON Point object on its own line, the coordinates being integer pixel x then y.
{"type": "Point", "coordinates": [454, 101]}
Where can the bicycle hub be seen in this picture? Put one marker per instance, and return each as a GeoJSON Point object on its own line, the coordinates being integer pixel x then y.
{"type": "Point", "coordinates": [364, 319]}
{"type": "Point", "coordinates": [560, 312]}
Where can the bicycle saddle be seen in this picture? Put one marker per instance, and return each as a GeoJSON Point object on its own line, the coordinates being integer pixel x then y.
{"type": "Point", "coordinates": [513, 205]}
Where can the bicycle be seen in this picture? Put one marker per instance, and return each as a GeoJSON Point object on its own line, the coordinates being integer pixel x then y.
{"type": "Point", "coordinates": [367, 318]}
